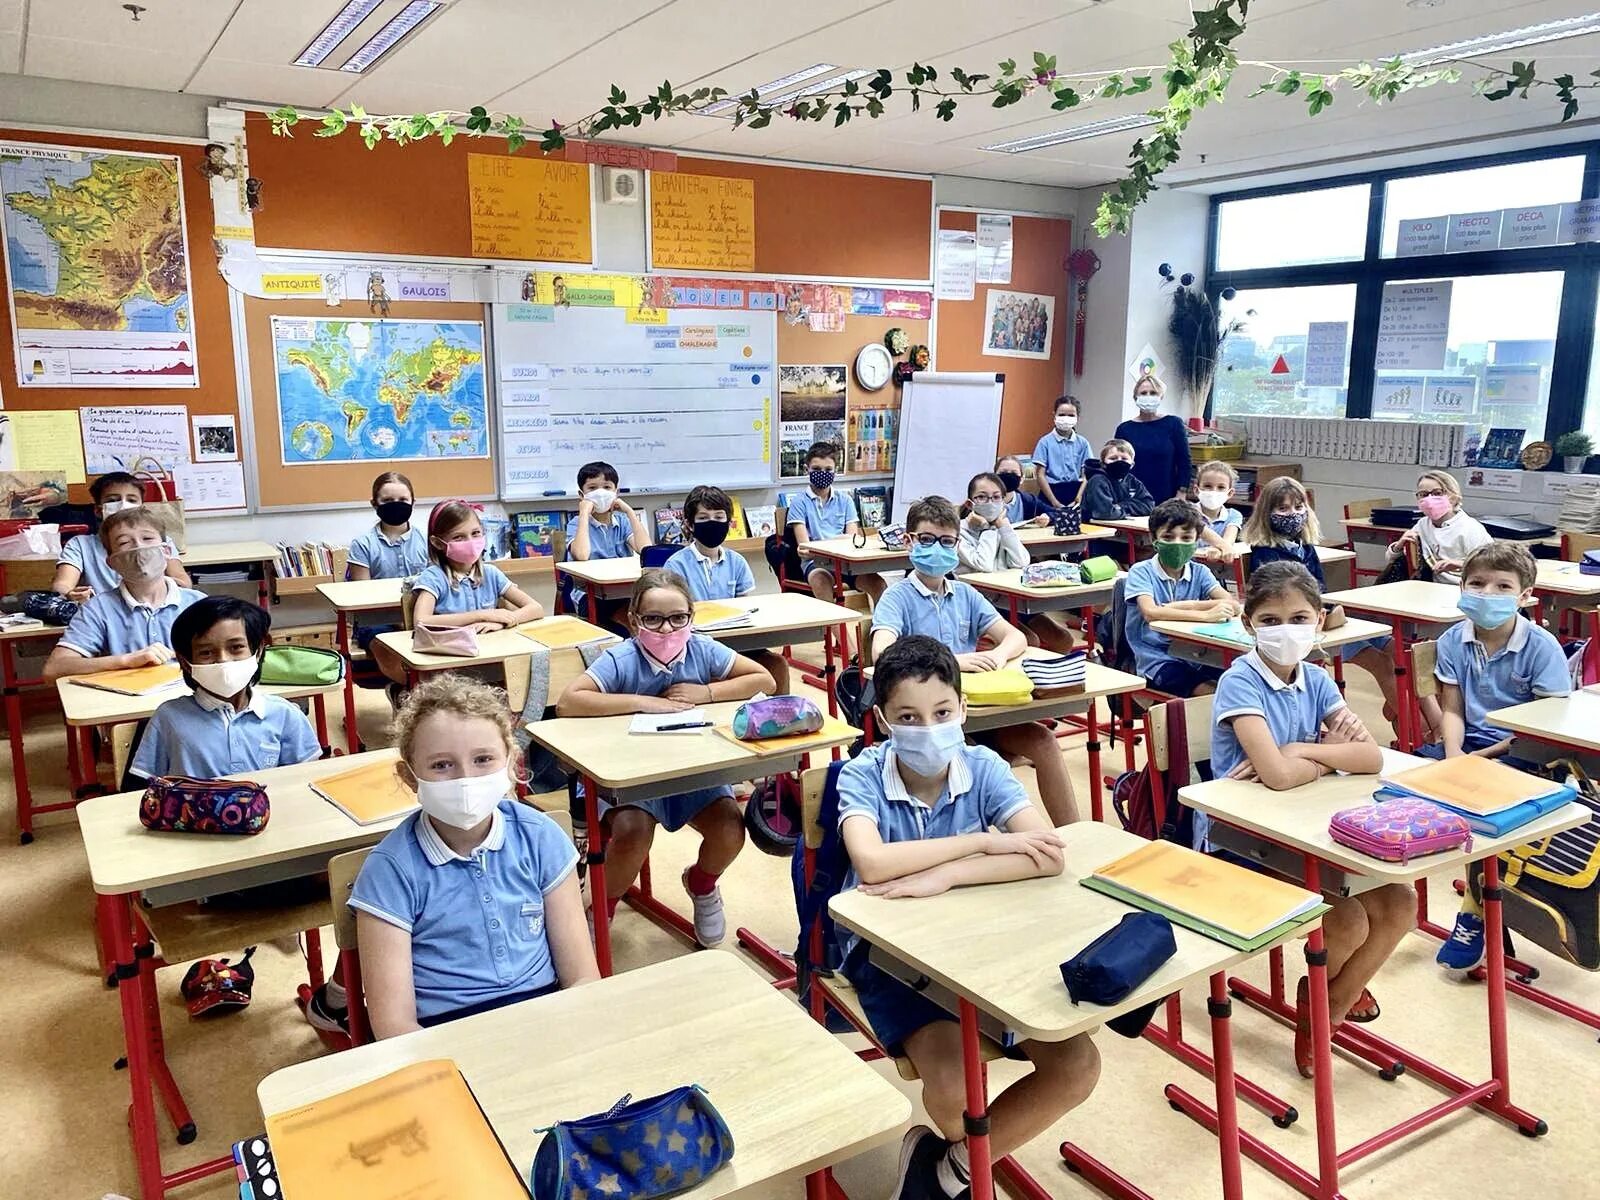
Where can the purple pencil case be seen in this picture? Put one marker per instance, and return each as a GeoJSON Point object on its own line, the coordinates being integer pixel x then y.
{"type": "Point", "coordinates": [1400, 830]}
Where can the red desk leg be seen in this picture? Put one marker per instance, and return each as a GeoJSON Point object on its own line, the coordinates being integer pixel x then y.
{"type": "Point", "coordinates": [114, 919]}
{"type": "Point", "coordinates": [352, 736]}
{"type": "Point", "coordinates": [1096, 787]}
{"type": "Point", "coordinates": [977, 1114]}
{"type": "Point", "coordinates": [597, 875]}
{"type": "Point", "coordinates": [594, 606]}
{"type": "Point", "coordinates": [319, 707]}
{"type": "Point", "coordinates": [1405, 687]}
{"type": "Point", "coordinates": [19, 763]}
{"type": "Point", "coordinates": [1221, 1009]}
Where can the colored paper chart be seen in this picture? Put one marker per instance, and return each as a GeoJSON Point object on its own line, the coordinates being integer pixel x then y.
{"type": "Point", "coordinates": [529, 208]}
{"type": "Point", "coordinates": [702, 222]}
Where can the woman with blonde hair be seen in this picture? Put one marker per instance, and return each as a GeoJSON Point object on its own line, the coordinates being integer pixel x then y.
{"type": "Point", "coordinates": [1160, 443]}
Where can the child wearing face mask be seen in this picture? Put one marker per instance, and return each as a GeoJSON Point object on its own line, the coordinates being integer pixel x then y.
{"type": "Point", "coordinates": [82, 570]}
{"type": "Point", "coordinates": [1214, 488]}
{"type": "Point", "coordinates": [1061, 454]}
{"type": "Point", "coordinates": [919, 814]}
{"type": "Point", "coordinates": [1170, 587]}
{"type": "Point", "coordinates": [393, 548]}
{"type": "Point", "coordinates": [1445, 535]}
{"type": "Point", "coordinates": [606, 526]}
{"type": "Point", "coordinates": [130, 626]}
{"type": "Point", "coordinates": [473, 903]}
{"type": "Point", "coordinates": [1281, 722]}
{"type": "Point", "coordinates": [1022, 508]}
{"type": "Point", "coordinates": [1116, 493]}
{"type": "Point", "coordinates": [666, 667]}
{"type": "Point", "coordinates": [989, 542]}
{"type": "Point", "coordinates": [822, 512]}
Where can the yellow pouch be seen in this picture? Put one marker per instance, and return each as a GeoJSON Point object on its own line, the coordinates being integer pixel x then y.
{"type": "Point", "coordinates": [1006, 686]}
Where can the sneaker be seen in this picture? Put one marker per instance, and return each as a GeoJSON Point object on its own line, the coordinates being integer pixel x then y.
{"type": "Point", "coordinates": [324, 1016]}
{"type": "Point", "coordinates": [918, 1178]}
{"type": "Point", "coordinates": [710, 926]}
{"type": "Point", "coordinates": [1463, 949]}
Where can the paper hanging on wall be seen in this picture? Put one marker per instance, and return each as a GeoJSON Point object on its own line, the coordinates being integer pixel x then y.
{"type": "Point", "coordinates": [1327, 345]}
{"type": "Point", "coordinates": [1512, 383]}
{"type": "Point", "coordinates": [208, 487]}
{"type": "Point", "coordinates": [215, 438]}
{"type": "Point", "coordinates": [46, 441]}
{"type": "Point", "coordinates": [1148, 362]}
{"type": "Point", "coordinates": [1017, 324]}
{"type": "Point", "coordinates": [1451, 396]}
{"type": "Point", "coordinates": [115, 438]}
{"type": "Point", "coordinates": [1506, 482]}
{"type": "Point", "coordinates": [955, 274]}
{"type": "Point", "coordinates": [1414, 326]}
{"type": "Point", "coordinates": [994, 247]}
{"type": "Point", "coordinates": [529, 208]}
{"type": "Point", "coordinates": [702, 222]}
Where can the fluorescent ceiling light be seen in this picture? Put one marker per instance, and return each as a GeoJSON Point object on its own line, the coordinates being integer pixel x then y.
{"type": "Point", "coordinates": [387, 38]}
{"type": "Point", "coordinates": [1074, 133]}
{"type": "Point", "coordinates": [335, 31]}
{"type": "Point", "coordinates": [1511, 39]}
{"type": "Point", "coordinates": [820, 77]}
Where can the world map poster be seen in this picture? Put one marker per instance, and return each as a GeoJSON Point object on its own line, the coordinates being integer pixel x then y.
{"type": "Point", "coordinates": [375, 391]}
{"type": "Point", "coordinates": [98, 268]}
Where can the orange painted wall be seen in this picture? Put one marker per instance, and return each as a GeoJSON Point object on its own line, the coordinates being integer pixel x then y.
{"type": "Point", "coordinates": [1038, 254]}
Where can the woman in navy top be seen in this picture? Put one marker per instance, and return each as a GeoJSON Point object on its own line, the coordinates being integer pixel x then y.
{"type": "Point", "coordinates": [1160, 443]}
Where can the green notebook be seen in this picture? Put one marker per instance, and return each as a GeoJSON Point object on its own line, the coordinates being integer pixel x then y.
{"type": "Point", "coordinates": [1201, 927]}
{"type": "Point", "coordinates": [1227, 631]}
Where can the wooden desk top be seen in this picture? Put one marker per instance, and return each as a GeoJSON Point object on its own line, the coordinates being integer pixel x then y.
{"type": "Point", "coordinates": [1001, 946]}
{"type": "Point", "coordinates": [1128, 524]}
{"type": "Point", "coordinates": [602, 748]}
{"type": "Point", "coordinates": [1563, 578]}
{"type": "Point", "coordinates": [361, 595]}
{"type": "Point", "coordinates": [783, 612]}
{"type": "Point", "coordinates": [1353, 630]}
{"type": "Point", "coordinates": [126, 857]}
{"type": "Point", "coordinates": [1325, 554]}
{"type": "Point", "coordinates": [603, 571]}
{"type": "Point", "coordinates": [1410, 599]}
{"type": "Point", "coordinates": [1395, 531]}
{"type": "Point", "coordinates": [493, 648]}
{"type": "Point", "coordinates": [794, 1096]}
{"type": "Point", "coordinates": [1570, 720]}
{"type": "Point", "coordinates": [1035, 536]}
{"type": "Point", "coordinates": [846, 550]}
{"type": "Point", "coordinates": [36, 631]}
{"type": "Point", "coordinates": [1299, 817]}
{"type": "Point", "coordinates": [1009, 583]}
{"type": "Point", "coordinates": [85, 705]}
{"type": "Point", "coordinates": [211, 554]}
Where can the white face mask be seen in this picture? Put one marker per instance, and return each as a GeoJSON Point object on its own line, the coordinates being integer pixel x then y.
{"type": "Point", "coordinates": [602, 499]}
{"type": "Point", "coordinates": [927, 749]}
{"type": "Point", "coordinates": [112, 506]}
{"type": "Point", "coordinates": [989, 510]}
{"type": "Point", "coordinates": [1147, 403]}
{"type": "Point", "coordinates": [1286, 645]}
{"type": "Point", "coordinates": [138, 564]}
{"type": "Point", "coordinates": [1066, 424]}
{"type": "Point", "coordinates": [225, 679]}
{"type": "Point", "coordinates": [1212, 499]}
{"type": "Point", "coordinates": [463, 803]}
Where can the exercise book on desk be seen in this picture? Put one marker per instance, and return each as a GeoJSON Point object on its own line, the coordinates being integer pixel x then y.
{"type": "Point", "coordinates": [415, 1134]}
{"type": "Point", "coordinates": [1472, 785]}
{"type": "Point", "coordinates": [562, 635]}
{"type": "Point", "coordinates": [713, 615]}
{"type": "Point", "coordinates": [690, 720]}
{"type": "Point", "coordinates": [1227, 631]}
{"type": "Point", "coordinates": [134, 681]}
{"type": "Point", "coordinates": [367, 794]}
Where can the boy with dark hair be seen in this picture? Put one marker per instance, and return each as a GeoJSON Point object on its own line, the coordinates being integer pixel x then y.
{"type": "Point", "coordinates": [954, 613]}
{"type": "Point", "coordinates": [822, 513]}
{"type": "Point", "coordinates": [82, 570]}
{"type": "Point", "coordinates": [605, 526]}
{"type": "Point", "coordinates": [1169, 587]}
{"type": "Point", "coordinates": [917, 814]}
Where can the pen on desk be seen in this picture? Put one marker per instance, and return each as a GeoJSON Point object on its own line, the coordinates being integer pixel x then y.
{"type": "Point", "coordinates": [683, 725]}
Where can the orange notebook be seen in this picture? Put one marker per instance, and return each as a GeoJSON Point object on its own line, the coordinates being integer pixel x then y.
{"type": "Point", "coordinates": [1240, 901]}
{"type": "Point", "coordinates": [416, 1134]}
{"type": "Point", "coordinates": [1478, 785]}
{"type": "Point", "coordinates": [709, 612]}
{"type": "Point", "coordinates": [134, 681]}
{"type": "Point", "coordinates": [562, 635]}
{"type": "Point", "coordinates": [368, 794]}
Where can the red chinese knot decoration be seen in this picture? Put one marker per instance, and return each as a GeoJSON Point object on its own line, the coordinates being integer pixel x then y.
{"type": "Point", "coordinates": [1082, 263]}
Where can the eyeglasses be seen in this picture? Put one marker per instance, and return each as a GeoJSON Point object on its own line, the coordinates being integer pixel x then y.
{"type": "Point", "coordinates": [987, 498]}
{"type": "Point", "coordinates": [1430, 495]}
{"type": "Point", "coordinates": [656, 622]}
{"type": "Point", "coordinates": [926, 540]}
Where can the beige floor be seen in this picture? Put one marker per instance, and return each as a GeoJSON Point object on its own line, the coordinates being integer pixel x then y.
{"type": "Point", "coordinates": [63, 1107]}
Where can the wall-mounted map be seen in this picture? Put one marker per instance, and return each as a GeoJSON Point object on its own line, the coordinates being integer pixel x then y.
{"type": "Point", "coordinates": [360, 391]}
{"type": "Point", "coordinates": [98, 268]}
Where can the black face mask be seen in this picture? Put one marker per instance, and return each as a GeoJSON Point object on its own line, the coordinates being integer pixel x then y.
{"type": "Point", "coordinates": [1118, 471]}
{"type": "Point", "coordinates": [711, 533]}
{"type": "Point", "coordinates": [394, 512]}
{"type": "Point", "coordinates": [1010, 480]}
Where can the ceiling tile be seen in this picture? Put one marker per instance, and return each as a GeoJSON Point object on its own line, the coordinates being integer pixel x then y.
{"type": "Point", "coordinates": [100, 62]}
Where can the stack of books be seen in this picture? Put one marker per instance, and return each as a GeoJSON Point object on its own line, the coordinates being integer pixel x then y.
{"type": "Point", "coordinates": [308, 558]}
{"type": "Point", "coordinates": [1493, 798]}
{"type": "Point", "coordinates": [710, 615]}
{"type": "Point", "coordinates": [1580, 511]}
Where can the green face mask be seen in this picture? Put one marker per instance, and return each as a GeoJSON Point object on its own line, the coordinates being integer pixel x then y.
{"type": "Point", "coordinates": [1175, 555]}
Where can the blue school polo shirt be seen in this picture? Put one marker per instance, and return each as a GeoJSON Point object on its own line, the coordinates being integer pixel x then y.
{"type": "Point", "coordinates": [1531, 665]}
{"type": "Point", "coordinates": [608, 538]}
{"type": "Point", "coordinates": [1148, 579]}
{"type": "Point", "coordinates": [713, 579]}
{"type": "Point", "coordinates": [88, 554]}
{"type": "Point", "coordinates": [823, 519]}
{"type": "Point", "coordinates": [1063, 458]}
{"type": "Point", "coordinates": [626, 670]}
{"type": "Point", "coordinates": [957, 616]}
{"type": "Point", "coordinates": [1229, 518]}
{"type": "Point", "coordinates": [204, 737]}
{"type": "Point", "coordinates": [461, 593]}
{"type": "Point", "coordinates": [114, 622]}
{"type": "Point", "coordinates": [476, 923]}
{"type": "Point", "coordinates": [401, 558]}
{"type": "Point", "coordinates": [980, 791]}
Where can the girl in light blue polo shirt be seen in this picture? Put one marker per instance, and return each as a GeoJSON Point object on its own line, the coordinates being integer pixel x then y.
{"type": "Point", "coordinates": [667, 668]}
{"type": "Point", "coordinates": [393, 548]}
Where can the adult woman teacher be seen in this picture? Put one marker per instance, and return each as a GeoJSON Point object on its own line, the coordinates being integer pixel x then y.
{"type": "Point", "coordinates": [1160, 443]}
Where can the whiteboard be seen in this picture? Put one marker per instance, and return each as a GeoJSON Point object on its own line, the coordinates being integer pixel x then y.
{"type": "Point", "coordinates": [672, 404]}
{"type": "Point", "coordinates": [949, 432]}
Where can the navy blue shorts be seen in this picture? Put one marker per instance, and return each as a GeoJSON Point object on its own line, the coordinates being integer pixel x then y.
{"type": "Point", "coordinates": [483, 1006]}
{"type": "Point", "coordinates": [1179, 677]}
{"type": "Point", "coordinates": [894, 1010]}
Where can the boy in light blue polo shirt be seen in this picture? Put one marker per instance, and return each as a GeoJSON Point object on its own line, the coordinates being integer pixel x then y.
{"type": "Point", "coordinates": [606, 526]}
{"type": "Point", "coordinates": [82, 570]}
{"type": "Point", "coordinates": [919, 815]}
{"type": "Point", "coordinates": [1494, 659]}
{"type": "Point", "coordinates": [956, 615]}
{"type": "Point", "coordinates": [229, 724]}
{"type": "Point", "coordinates": [822, 513]}
{"type": "Point", "coordinates": [1169, 587]}
{"type": "Point", "coordinates": [130, 626]}
{"type": "Point", "coordinates": [1061, 454]}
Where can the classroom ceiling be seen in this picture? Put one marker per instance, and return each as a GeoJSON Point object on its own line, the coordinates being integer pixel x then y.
{"type": "Point", "coordinates": [545, 60]}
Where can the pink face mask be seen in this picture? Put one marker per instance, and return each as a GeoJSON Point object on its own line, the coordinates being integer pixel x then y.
{"type": "Point", "coordinates": [465, 553]}
{"type": "Point", "coordinates": [665, 645]}
{"type": "Point", "coordinates": [1435, 506]}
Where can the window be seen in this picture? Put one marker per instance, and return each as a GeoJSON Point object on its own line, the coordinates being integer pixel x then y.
{"type": "Point", "coordinates": [1487, 190]}
{"type": "Point", "coordinates": [1475, 349]}
{"type": "Point", "coordinates": [1328, 225]}
{"type": "Point", "coordinates": [1291, 355]}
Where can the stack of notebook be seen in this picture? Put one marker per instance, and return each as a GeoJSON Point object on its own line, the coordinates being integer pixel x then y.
{"type": "Point", "coordinates": [135, 681]}
{"type": "Point", "coordinates": [1493, 798]}
{"type": "Point", "coordinates": [368, 794]}
{"type": "Point", "coordinates": [1049, 672]}
{"type": "Point", "coordinates": [711, 615]}
{"type": "Point", "coordinates": [1229, 904]}
{"type": "Point", "coordinates": [1227, 631]}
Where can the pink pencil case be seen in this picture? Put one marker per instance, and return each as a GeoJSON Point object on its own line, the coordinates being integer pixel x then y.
{"type": "Point", "coordinates": [1400, 830]}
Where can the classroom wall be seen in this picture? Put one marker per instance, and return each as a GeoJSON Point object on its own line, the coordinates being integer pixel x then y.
{"type": "Point", "coordinates": [62, 104]}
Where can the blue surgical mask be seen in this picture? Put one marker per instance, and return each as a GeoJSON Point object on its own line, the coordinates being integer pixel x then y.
{"type": "Point", "coordinates": [1487, 612]}
{"type": "Point", "coordinates": [935, 560]}
{"type": "Point", "coordinates": [927, 749]}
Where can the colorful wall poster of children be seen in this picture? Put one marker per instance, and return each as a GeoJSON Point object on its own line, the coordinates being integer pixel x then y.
{"type": "Point", "coordinates": [1017, 324]}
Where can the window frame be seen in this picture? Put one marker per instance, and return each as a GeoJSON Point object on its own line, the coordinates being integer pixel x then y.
{"type": "Point", "coordinates": [1580, 296]}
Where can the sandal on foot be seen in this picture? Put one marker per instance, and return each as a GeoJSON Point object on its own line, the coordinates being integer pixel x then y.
{"type": "Point", "coordinates": [1365, 1009]}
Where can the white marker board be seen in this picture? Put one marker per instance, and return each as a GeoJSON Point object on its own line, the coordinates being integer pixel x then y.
{"type": "Point", "coordinates": [949, 431]}
{"type": "Point", "coordinates": [670, 404]}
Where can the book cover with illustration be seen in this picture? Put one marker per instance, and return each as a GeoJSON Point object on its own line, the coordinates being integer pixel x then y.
{"type": "Point", "coordinates": [536, 532]}
{"type": "Point", "coordinates": [669, 526]}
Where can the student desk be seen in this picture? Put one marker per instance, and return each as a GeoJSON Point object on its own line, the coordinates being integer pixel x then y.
{"type": "Point", "coordinates": [795, 1099]}
{"type": "Point", "coordinates": [1298, 821]}
{"type": "Point", "coordinates": [1006, 587]}
{"type": "Point", "coordinates": [1338, 564]}
{"type": "Point", "coordinates": [1212, 650]}
{"type": "Point", "coordinates": [125, 860]}
{"type": "Point", "coordinates": [354, 597]}
{"type": "Point", "coordinates": [1014, 975]}
{"type": "Point", "coordinates": [603, 579]}
{"type": "Point", "coordinates": [783, 618]}
{"type": "Point", "coordinates": [256, 557]}
{"type": "Point", "coordinates": [1132, 528]}
{"type": "Point", "coordinates": [1568, 724]}
{"type": "Point", "coordinates": [493, 648]}
{"type": "Point", "coordinates": [1429, 606]}
{"type": "Point", "coordinates": [13, 685]}
{"type": "Point", "coordinates": [1561, 588]}
{"type": "Point", "coordinates": [632, 767]}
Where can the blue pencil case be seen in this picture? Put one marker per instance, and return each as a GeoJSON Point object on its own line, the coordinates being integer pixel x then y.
{"type": "Point", "coordinates": [1507, 820]}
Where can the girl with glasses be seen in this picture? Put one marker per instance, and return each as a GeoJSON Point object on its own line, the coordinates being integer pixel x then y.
{"type": "Point", "coordinates": [1445, 535]}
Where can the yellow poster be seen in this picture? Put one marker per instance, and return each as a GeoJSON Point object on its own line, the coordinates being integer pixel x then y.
{"type": "Point", "coordinates": [295, 284]}
{"type": "Point", "coordinates": [529, 208]}
{"type": "Point", "coordinates": [648, 316]}
{"type": "Point", "coordinates": [702, 222]}
{"type": "Point", "coordinates": [572, 289]}
{"type": "Point", "coordinates": [48, 441]}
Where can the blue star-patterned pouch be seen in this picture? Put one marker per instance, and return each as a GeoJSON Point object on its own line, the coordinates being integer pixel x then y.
{"type": "Point", "coordinates": [634, 1151]}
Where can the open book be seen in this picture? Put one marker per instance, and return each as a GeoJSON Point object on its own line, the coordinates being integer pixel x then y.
{"type": "Point", "coordinates": [368, 794]}
{"type": "Point", "coordinates": [135, 681]}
